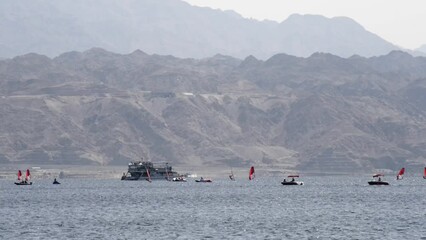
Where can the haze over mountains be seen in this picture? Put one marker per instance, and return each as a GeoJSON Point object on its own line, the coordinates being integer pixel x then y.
{"type": "Point", "coordinates": [322, 113]}
{"type": "Point", "coordinates": [173, 27]}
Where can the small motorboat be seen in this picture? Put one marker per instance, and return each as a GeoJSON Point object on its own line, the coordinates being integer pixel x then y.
{"type": "Point", "coordinates": [56, 182]}
{"type": "Point", "coordinates": [204, 180]}
{"type": "Point", "coordinates": [377, 180]}
{"type": "Point", "coordinates": [291, 180]}
{"type": "Point", "coordinates": [179, 179]}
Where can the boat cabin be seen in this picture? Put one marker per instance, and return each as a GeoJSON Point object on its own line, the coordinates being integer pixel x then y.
{"type": "Point", "coordinates": [378, 180]}
{"type": "Point", "coordinates": [291, 180]}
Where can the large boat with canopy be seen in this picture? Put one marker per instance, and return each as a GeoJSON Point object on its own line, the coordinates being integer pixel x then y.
{"type": "Point", "coordinates": [148, 171]}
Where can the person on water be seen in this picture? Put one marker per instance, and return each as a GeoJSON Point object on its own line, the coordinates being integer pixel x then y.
{"type": "Point", "coordinates": [380, 179]}
{"type": "Point", "coordinates": [292, 179]}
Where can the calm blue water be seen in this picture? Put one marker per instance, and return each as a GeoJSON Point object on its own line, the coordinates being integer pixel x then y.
{"type": "Point", "coordinates": [324, 208]}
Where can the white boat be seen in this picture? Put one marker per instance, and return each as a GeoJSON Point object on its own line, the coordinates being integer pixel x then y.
{"type": "Point", "coordinates": [179, 179]}
{"type": "Point", "coordinates": [377, 180]}
{"type": "Point", "coordinates": [291, 180]}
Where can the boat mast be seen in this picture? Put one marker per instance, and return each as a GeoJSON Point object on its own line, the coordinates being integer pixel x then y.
{"type": "Point", "coordinates": [167, 173]}
{"type": "Point", "coordinates": [147, 173]}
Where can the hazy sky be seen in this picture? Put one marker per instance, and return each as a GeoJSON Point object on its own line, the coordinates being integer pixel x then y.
{"type": "Point", "coordinates": [402, 22]}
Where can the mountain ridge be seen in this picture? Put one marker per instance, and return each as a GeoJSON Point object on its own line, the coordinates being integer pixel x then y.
{"type": "Point", "coordinates": [174, 27]}
{"type": "Point", "coordinates": [322, 113]}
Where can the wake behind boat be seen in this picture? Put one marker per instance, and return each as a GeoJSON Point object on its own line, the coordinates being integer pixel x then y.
{"type": "Point", "coordinates": [27, 178]}
{"type": "Point", "coordinates": [291, 180]}
{"type": "Point", "coordinates": [377, 180]}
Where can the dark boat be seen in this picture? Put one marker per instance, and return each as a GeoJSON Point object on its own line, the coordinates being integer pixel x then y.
{"type": "Point", "coordinates": [148, 171]}
{"type": "Point", "coordinates": [24, 183]}
{"type": "Point", "coordinates": [377, 180]}
{"type": "Point", "coordinates": [56, 182]}
{"type": "Point", "coordinates": [290, 180]}
{"type": "Point", "coordinates": [206, 180]}
{"type": "Point", "coordinates": [27, 178]}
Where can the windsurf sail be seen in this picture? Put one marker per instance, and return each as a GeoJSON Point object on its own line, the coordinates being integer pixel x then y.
{"type": "Point", "coordinates": [231, 176]}
{"type": "Point", "coordinates": [167, 173]}
{"type": "Point", "coordinates": [251, 173]}
{"type": "Point", "coordinates": [424, 173]}
{"type": "Point", "coordinates": [149, 175]}
{"type": "Point", "coordinates": [27, 175]}
{"type": "Point", "coordinates": [400, 174]}
{"type": "Point", "coordinates": [19, 175]}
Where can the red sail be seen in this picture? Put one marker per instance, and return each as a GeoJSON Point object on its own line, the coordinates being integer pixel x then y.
{"type": "Point", "coordinates": [19, 175]}
{"type": "Point", "coordinates": [27, 175]}
{"type": "Point", "coordinates": [400, 174]}
{"type": "Point", "coordinates": [424, 173]}
{"type": "Point", "coordinates": [251, 173]}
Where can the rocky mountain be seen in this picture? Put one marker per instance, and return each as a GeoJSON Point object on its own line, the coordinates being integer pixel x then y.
{"type": "Point", "coordinates": [173, 27]}
{"type": "Point", "coordinates": [323, 113]}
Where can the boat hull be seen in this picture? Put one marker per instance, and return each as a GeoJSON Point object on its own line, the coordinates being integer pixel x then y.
{"type": "Point", "coordinates": [206, 181]}
{"type": "Point", "coordinates": [23, 183]}
{"type": "Point", "coordinates": [377, 183]}
{"type": "Point", "coordinates": [149, 171]}
{"type": "Point", "coordinates": [178, 179]}
{"type": "Point", "coordinates": [291, 183]}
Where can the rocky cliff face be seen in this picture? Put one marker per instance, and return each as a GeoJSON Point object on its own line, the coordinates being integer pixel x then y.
{"type": "Point", "coordinates": [321, 114]}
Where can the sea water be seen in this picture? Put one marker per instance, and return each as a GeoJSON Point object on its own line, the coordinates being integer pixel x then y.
{"type": "Point", "coordinates": [324, 208]}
